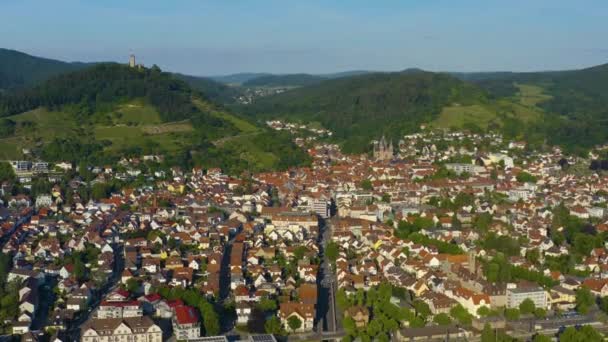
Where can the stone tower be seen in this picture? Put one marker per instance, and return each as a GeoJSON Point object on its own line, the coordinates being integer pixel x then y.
{"type": "Point", "coordinates": [472, 262]}
{"type": "Point", "coordinates": [132, 61]}
{"type": "Point", "coordinates": [383, 150]}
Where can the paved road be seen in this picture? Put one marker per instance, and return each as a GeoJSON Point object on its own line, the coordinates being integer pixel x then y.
{"type": "Point", "coordinates": [227, 325]}
{"type": "Point", "coordinates": [23, 219]}
{"type": "Point", "coordinates": [73, 332]}
{"type": "Point", "coordinates": [46, 300]}
{"type": "Point", "coordinates": [326, 308]}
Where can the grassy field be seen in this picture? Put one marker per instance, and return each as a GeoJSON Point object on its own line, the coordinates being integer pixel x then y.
{"type": "Point", "coordinates": [132, 136]}
{"type": "Point", "coordinates": [457, 116]}
{"type": "Point", "coordinates": [128, 125]}
{"type": "Point", "coordinates": [531, 95]}
{"type": "Point", "coordinates": [137, 112]}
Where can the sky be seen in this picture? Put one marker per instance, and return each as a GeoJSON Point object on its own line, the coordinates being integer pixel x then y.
{"type": "Point", "coordinates": [202, 37]}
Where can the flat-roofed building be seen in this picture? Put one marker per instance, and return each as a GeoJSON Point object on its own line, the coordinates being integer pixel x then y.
{"type": "Point", "coordinates": [516, 295]}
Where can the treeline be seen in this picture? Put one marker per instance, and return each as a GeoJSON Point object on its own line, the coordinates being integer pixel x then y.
{"type": "Point", "coordinates": [360, 108]}
{"type": "Point", "coordinates": [576, 112]}
{"type": "Point", "coordinates": [19, 70]}
{"type": "Point", "coordinates": [214, 91]}
{"type": "Point", "coordinates": [500, 270]}
{"type": "Point", "coordinates": [104, 85]}
{"type": "Point", "coordinates": [293, 80]}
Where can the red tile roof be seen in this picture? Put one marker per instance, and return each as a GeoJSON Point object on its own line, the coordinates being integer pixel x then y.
{"type": "Point", "coordinates": [186, 315]}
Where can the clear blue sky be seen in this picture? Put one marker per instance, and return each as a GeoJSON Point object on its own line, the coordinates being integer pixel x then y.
{"type": "Point", "coordinates": [282, 36]}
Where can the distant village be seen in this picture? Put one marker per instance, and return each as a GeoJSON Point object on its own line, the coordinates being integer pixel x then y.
{"type": "Point", "coordinates": [438, 234]}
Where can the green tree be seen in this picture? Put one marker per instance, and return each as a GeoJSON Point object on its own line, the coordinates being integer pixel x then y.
{"type": "Point", "coordinates": [267, 304]}
{"type": "Point", "coordinates": [349, 325]}
{"type": "Point", "coordinates": [100, 190]}
{"type": "Point", "coordinates": [512, 314]}
{"type": "Point", "coordinates": [374, 327]}
{"type": "Point", "coordinates": [211, 321]}
{"type": "Point", "coordinates": [584, 300]}
{"type": "Point", "coordinates": [442, 319]}
{"type": "Point", "coordinates": [533, 256]}
{"type": "Point", "coordinates": [366, 184]}
{"type": "Point", "coordinates": [273, 326]}
{"type": "Point", "coordinates": [79, 269]}
{"type": "Point", "coordinates": [461, 314]}
{"type": "Point", "coordinates": [540, 313]}
{"type": "Point", "coordinates": [488, 334]}
{"type": "Point", "coordinates": [299, 252]}
{"type": "Point", "coordinates": [590, 334]}
{"type": "Point", "coordinates": [422, 309]}
{"type": "Point", "coordinates": [6, 172]}
{"type": "Point", "coordinates": [294, 323]}
{"type": "Point", "coordinates": [132, 285]}
{"type": "Point", "coordinates": [527, 306]}
{"type": "Point", "coordinates": [417, 322]}
{"type": "Point", "coordinates": [483, 311]}
{"type": "Point", "coordinates": [524, 177]}
{"type": "Point", "coordinates": [332, 251]}
{"type": "Point", "coordinates": [570, 335]}
{"type": "Point", "coordinates": [541, 338]}
{"type": "Point", "coordinates": [342, 299]}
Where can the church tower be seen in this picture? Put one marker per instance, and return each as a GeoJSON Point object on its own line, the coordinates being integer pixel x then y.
{"type": "Point", "coordinates": [383, 150]}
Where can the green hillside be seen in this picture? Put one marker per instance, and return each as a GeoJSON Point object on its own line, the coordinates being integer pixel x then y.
{"type": "Point", "coordinates": [360, 108]}
{"type": "Point", "coordinates": [238, 79]}
{"type": "Point", "coordinates": [575, 102]}
{"type": "Point", "coordinates": [214, 91]}
{"type": "Point", "coordinates": [18, 70]}
{"type": "Point", "coordinates": [108, 111]}
{"type": "Point", "coordinates": [521, 107]}
{"type": "Point", "coordinates": [291, 80]}
{"type": "Point", "coordinates": [566, 108]}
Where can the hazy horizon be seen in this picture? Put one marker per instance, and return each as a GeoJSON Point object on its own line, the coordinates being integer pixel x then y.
{"type": "Point", "coordinates": [210, 38]}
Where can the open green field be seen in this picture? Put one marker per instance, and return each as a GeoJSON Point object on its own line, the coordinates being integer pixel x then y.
{"type": "Point", "coordinates": [531, 95]}
{"type": "Point", "coordinates": [131, 136]}
{"type": "Point", "coordinates": [170, 136]}
{"type": "Point", "coordinates": [137, 112]}
{"type": "Point", "coordinates": [133, 124]}
{"type": "Point", "coordinates": [457, 116]}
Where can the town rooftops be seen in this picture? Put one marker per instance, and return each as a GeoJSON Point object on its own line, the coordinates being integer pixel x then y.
{"type": "Point", "coordinates": [186, 315]}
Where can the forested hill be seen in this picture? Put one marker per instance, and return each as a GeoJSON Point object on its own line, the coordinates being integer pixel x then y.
{"type": "Point", "coordinates": [105, 84]}
{"type": "Point", "coordinates": [107, 111]}
{"type": "Point", "coordinates": [213, 90]}
{"type": "Point", "coordinates": [575, 101]}
{"type": "Point", "coordinates": [566, 108]}
{"type": "Point", "coordinates": [360, 108]}
{"type": "Point", "coordinates": [19, 70]}
{"type": "Point", "coordinates": [291, 80]}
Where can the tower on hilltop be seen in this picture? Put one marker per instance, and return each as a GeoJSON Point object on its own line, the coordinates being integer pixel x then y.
{"type": "Point", "coordinates": [132, 61]}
